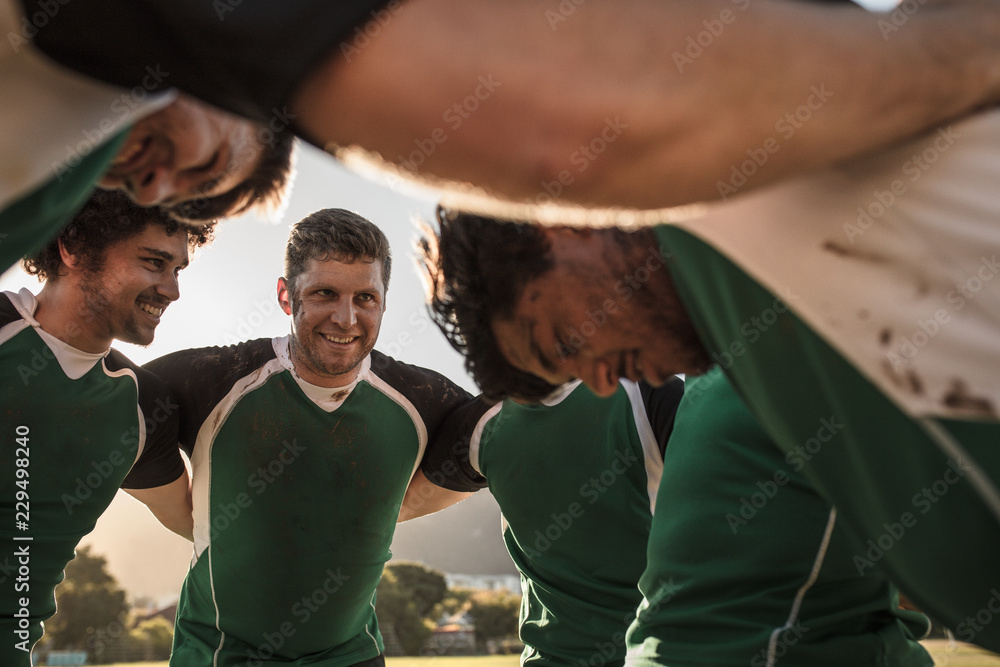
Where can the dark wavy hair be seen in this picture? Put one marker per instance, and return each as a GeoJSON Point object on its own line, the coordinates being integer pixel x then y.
{"type": "Point", "coordinates": [335, 233]}
{"type": "Point", "coordinates": [265, 187]}
{"type": "Point", "coordinates": [476, 269]}
{"type": "Point", "coordinates": [108, 217]}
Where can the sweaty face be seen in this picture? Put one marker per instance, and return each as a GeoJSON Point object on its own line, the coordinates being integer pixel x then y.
{"type": "Point", "coordinates": [598, 315]}
{"type": "Point", "coordinates": [126, 297]}
{"type": "Point", "coordinates": [336, 310]}
{"type": "Point", "coordinates": [184, 151]}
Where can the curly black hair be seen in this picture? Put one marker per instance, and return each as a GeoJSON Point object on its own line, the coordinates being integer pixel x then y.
{"type": "Point", "coordinates": [469, 267]}
{"type": "Point", "coordinates": [108, 217]}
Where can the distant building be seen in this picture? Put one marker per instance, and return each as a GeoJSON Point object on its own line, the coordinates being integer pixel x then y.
{"type": "Point", "coordinates": [488, 582]}
{"type": "Point", "coordinates": [454, 635]}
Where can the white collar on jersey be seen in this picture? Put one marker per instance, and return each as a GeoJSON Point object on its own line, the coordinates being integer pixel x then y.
{"type": "Point", "coordinates": [326, 398]}
{"type": "Point", "coordinates": [560, 394]}
{"type": "Point", "coordinates": [74, 362]}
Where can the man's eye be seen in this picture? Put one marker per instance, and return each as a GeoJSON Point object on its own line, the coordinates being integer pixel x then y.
{"type": "Point", "coordinates": [564, 350]}
{"type": "Point", "coordinates": [155, 262]}
{"type": "Point", "coordinates": [366, 297]}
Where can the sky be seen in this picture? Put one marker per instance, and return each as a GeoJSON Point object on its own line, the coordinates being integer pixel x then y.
{"type": "Point", "coordinates": [228, 294]}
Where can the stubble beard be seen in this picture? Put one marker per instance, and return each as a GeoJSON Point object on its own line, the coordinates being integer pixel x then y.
{"type": "Point", "coordinates": [658, 303]}
{"type": "Point", "coordinates": [98, 310]}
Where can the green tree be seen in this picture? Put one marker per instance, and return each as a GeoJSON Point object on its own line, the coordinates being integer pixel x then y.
{"type": "Point", "coordinates": [394, 606]}
{"type": "Point", "coordinates": [425, 586]}
{"type": "Point", "coordinates": [155, 636]}
{"type": "Point", "coordinates": [90, 604]}
{"type": "Point", "coordinates": [495, 613]}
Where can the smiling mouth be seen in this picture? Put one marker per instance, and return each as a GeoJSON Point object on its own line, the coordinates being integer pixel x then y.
{"type": "Point", "coordinates": [151, 310]}
{"type": "Point", "coordinates": [340, 340]}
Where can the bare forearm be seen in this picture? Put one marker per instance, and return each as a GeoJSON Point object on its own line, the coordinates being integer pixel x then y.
{"type": "Point", "coordinates": [423, 498]}
{"type": "Point", "coordinates": [170, 504]}
{"type": "Point", "coordinates": [646, 104]}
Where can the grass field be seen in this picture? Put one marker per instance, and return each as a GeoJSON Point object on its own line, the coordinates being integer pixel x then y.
{"type": "Point", "coordinates": [945, 654]}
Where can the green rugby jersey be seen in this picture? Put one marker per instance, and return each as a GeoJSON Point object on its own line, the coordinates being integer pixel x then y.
{"type": "Point", "coordinates": [576, 479]}
{"type": "Point", "coordinates": [748, 565]}
{"type": "Point", "coordinates": [296, 492]}
{"type": "Point", "coordinates": [76, 426]}
{"type": "Point", "coordinates": [897, 354]}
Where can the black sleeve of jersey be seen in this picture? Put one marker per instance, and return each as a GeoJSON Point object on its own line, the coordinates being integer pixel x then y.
{"type": "Point", "coordinates": [661, 407]}
{"type": "Point", "coordinates": [160, 462]}
{"type": "Point", "coordinates": [446, 461]}
{"type": "Point", "coordinates": [202, 377]}
{"type": "Point", "coordinates": [433, 395]}
{"type": "Point", "coordinates": [246, 56]}
{"type": "Point", "coordinates": [8, 313]}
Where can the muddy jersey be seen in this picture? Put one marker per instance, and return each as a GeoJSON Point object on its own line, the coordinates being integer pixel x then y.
{"type": "Point", "coordinates": [853, 311]}
{"type": "Point", "coordinates": [576, 478]}
{"type": "Point", "coordinates": [749, 565]}
{"type": "Point", "coordinates": [296, 492]}
{"type": "Point", "coordinates": [76, 426]}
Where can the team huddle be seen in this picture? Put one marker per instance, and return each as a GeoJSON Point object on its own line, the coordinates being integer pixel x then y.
{"type": "Point", "coordinates": [833, 441]}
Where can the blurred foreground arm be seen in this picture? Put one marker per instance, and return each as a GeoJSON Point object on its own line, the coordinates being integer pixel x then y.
{"type": "Point", "coordinates": [646, 104]}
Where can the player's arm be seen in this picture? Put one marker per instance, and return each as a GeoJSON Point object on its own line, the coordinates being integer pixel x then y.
{"type": "Point", "coordinates": [646, 104]}
{"type": "Point", "coordinates": [446, 474]}
{"type": "Point", "coordinates": [170, 504]}
{"type": "Point", "coordinates": [424, 497]}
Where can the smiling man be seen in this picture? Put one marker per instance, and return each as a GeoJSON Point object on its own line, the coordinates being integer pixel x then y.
{"type": "Point", "coordinates": [302, 448]}
{"type": "Point", "coordinates": [79, 419]}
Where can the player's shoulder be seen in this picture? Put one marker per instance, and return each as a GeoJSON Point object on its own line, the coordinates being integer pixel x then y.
{"type": "Point", "coordinates": [239, 359]}
{"type": "Point", "coordinates": [401, 375]}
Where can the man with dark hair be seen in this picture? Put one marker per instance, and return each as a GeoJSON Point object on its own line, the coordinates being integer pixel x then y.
{"type": "Point", "coordinates": [600, 103]}
{"type": "Point", "coordinates": [576, 478]}
{"type": "Point", "coordinates": [857, 330]}
{"type": "Point", "coordinates": [79, 419]}
{"type": "Point", "coordinates": [302, 448]}
{"type": "Point", "coordinates": [63, 133]}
